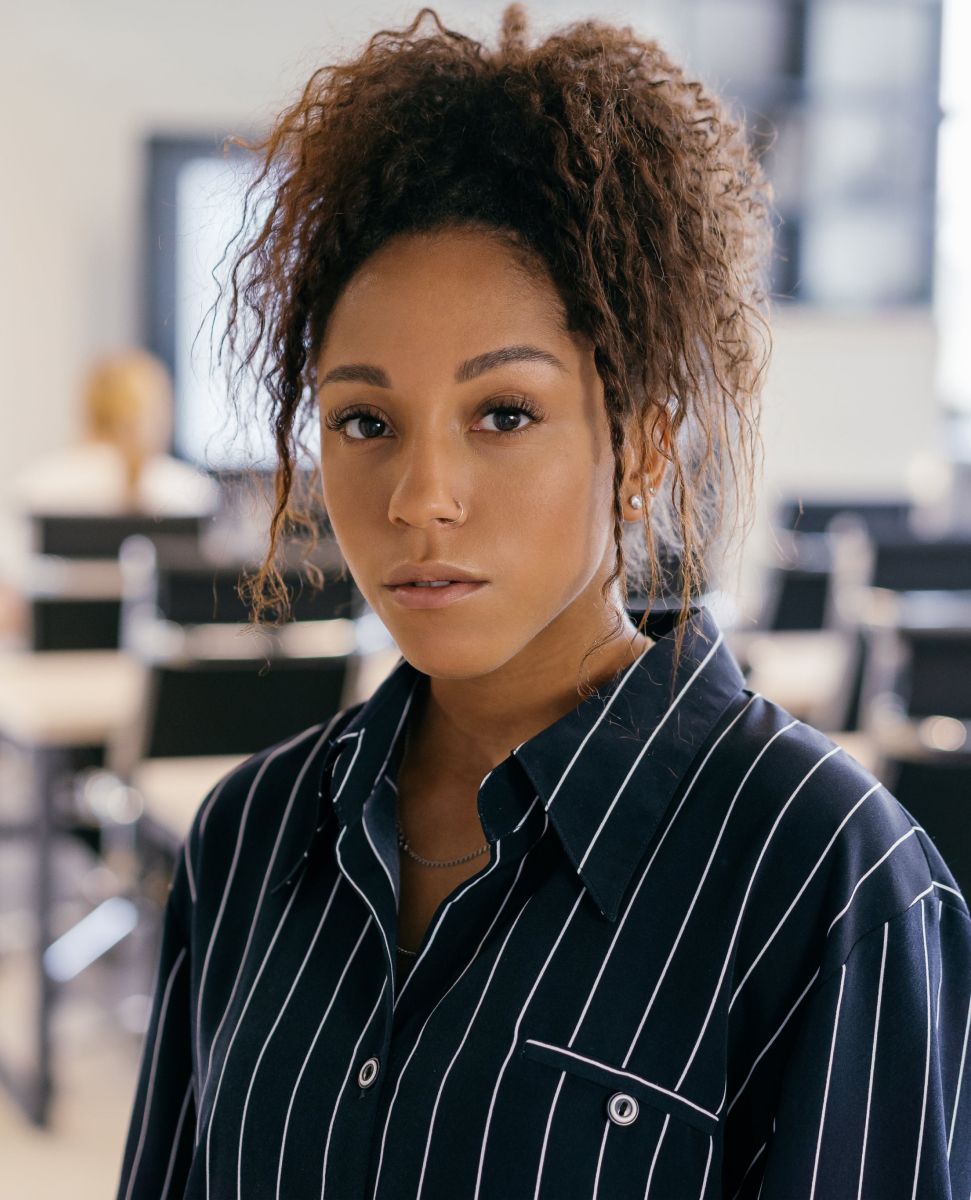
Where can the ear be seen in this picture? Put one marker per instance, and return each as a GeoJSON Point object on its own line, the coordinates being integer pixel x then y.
{"type": "Point", "coordinates": [643, 464]}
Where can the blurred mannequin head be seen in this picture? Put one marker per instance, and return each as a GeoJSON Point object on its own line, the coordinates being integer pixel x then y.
{"type": "Point", "coordinates": [128, 403]}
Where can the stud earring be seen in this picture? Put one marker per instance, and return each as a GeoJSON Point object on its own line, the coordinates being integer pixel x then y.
{"type": "Point", "coordinates": [638, 501]}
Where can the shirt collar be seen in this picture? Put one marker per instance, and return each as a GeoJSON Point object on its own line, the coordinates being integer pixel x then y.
{"type": "Point", "coordinates": [606, 771]}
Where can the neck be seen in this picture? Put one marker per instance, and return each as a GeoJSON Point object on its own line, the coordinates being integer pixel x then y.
{"type": "Point", "coordinates": [466, 727]}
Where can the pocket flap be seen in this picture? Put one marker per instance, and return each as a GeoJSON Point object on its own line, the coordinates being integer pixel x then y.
{"type": "Point", "coordinates": [618, 1079]}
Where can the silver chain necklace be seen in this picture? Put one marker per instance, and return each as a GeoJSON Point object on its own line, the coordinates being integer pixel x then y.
{"type": "Point", "coordinates": [428, 862]}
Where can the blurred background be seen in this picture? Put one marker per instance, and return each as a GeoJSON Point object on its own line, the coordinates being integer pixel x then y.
{"type": "Point", "coordinates": [128, 683]}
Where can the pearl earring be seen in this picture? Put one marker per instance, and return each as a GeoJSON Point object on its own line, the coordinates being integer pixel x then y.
{"type": "Point", "coordinates": [638, 501]}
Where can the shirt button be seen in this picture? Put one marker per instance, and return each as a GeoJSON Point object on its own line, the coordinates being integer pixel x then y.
{"type": "Point", "coordinates": [368, 1072]}
{"type": "Point", "coordinates": [622, 1109]}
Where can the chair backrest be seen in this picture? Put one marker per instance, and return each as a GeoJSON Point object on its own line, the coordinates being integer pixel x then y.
{"type": "Point", "coordinates": [935, 679]}
{"type": "Point", "coordinates": [814, 516]}
{"type": "Point", "coordinates": [908, 563]}
{"type": "Point", "coordinates": [221, 706]}
{"type": "Point", "coordinates": [174, 579]}
{"type": "Point", "coordinates": [73, 623]}
{"type": "Point", "coordinates": [794, 598]}
{"type": "Point", "coordinates": [238, 707]}
{"type": "Point", "coordinates": [798, 587]}
{"type": "Point", "coordinates": [73, 585]}
{"type": "Point", "coordinates": [94, 536]}
{"type": "Point", "coordinates": [935, 793]}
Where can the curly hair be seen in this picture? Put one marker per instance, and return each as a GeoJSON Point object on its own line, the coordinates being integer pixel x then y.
{"type": "Point", "coordinates": [592, 153]}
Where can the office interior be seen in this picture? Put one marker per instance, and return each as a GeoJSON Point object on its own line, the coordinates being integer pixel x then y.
{"type": "Point", "coordinates": [130, 678]}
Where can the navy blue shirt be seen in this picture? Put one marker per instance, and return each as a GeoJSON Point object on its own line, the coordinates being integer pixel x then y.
{"type": "Point", "coordinates": [709, 956]}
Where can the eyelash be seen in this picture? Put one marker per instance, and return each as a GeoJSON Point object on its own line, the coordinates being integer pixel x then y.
{"type": "Point", "coordinates": [337, 421]}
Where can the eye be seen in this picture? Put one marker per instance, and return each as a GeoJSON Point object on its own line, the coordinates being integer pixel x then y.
{"type": "Point", "coordinates": [362, 413]}
{"type": "Point", "coordinates": [367, 418]}
{"type": "Point", "coordinates": [516, 411]}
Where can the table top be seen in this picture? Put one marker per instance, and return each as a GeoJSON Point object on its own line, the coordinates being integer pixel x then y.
{"type": "Point", "coordinates": [66, 698]}
{"type": "Point", "coordinates": [173, 788]}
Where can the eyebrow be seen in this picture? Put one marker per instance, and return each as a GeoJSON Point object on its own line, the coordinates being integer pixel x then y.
{"type": "Point", "coordinates": [470, 369]}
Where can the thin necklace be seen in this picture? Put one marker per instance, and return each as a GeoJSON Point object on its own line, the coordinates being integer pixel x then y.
{"type": "Point", "coordinates": [427, 862]}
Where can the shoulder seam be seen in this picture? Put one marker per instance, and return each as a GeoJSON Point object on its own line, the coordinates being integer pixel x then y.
{"type": "Point", "coordinates": [876, 928]}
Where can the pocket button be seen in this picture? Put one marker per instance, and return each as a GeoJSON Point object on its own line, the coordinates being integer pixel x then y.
{"type": "Point", "coordinates": [622, 1108]}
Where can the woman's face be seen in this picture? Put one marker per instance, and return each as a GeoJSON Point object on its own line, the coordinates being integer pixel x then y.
{"type": "Point", "coordinates": [440, 429]}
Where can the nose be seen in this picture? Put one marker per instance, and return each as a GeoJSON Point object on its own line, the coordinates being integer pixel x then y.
{"type": "Point", "coordinates": [430, 488]}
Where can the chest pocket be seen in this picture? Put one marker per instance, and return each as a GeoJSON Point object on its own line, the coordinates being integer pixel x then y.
{"type": "Point", "coordinates": [616, 1079]}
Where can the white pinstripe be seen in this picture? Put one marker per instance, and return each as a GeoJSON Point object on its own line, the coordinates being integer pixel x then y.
{"type": "Point", "coordinates": [175, 1141]}
{"type": "Point", "coordinates": [873, 1060]}
{"type": "Point", "coordinates": [654, 1157]}
{"type": "Point", "coordinates": [960, 1080]}
{"type": "Point", "coordinates": [829, 1071]}
{"type": "Point", "coordinates": [927, 1059]}
{"type": "Point", "coordinates": [159, 1034]}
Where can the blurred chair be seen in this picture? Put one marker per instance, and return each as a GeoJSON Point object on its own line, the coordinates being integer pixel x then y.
{"type": "Point", "coordinates": [814, 516]}
{"type": "Point", "coordinates": [916, 710]}
{"type": "Point", "coordinates": [72, 578]}
{"type": "Point", "coordinates": [797, 655]}
{"type": "Point", "coordinates": [872, 570]}
{"type": "Point", "coordinates": [216, 687]}
{"type": "Point", "coordinates": [797, 588]}
{"type": "Point", "coordinates": [181, 580]}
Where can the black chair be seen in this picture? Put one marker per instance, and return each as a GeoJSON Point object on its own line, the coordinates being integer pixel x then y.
{"type": "Point", "coordinates": [916, 707]}
{"type": "Point", "coordinates": [220, 706]}
{"type": "Point", "coordinates": [99, 537]}
{"type": "Point", "coordinates": [176, 580]}
{"type": "Point", "coordinates": [872, 571]}
{"type": "Point", "coordinates": [814, 515]}
{"type": "Point", "coordinates": [797, 588]}
{"type": "Point", "coordinates": [73, 586]}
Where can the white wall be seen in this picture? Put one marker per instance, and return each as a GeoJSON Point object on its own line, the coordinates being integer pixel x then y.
{"type": "Point", "coordinates": [848, 407]}
{"type": "Point", "coordinates": [849, 398]}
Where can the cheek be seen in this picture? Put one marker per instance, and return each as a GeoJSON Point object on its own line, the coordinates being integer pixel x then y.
{"type": "Point", "coordinates": [558, 513]}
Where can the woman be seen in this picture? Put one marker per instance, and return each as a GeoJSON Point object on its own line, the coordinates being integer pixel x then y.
{"type": "Point", "coordinates": [563, 909]}
{"type": "Point", "coordinates": [121, 462]}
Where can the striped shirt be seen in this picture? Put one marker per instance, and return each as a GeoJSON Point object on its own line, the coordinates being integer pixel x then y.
{"type": "Point", "coordinates": [710, 956]}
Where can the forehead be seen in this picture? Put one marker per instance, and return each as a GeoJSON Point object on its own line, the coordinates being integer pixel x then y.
{"type": "Point", "coordinates": [443, 290]}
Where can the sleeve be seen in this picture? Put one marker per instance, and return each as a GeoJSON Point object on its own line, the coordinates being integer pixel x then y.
{"type": "Point", "coordinates": [158, 1149]}
{"type": "Point", "coordinates": [875, 1098]}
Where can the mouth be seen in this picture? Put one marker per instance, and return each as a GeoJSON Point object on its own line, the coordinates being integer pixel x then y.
{"type": "Point", "coordinates": [434, 594]}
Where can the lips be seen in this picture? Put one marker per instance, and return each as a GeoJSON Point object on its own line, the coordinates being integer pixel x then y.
{"type": "Point", "coordinates": [431, 572]}
{"type": "Point", "coordinates": [409, 596]}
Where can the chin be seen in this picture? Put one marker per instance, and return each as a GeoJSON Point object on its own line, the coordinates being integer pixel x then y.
{"type": "Point", "coordinates": [442, 656]}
